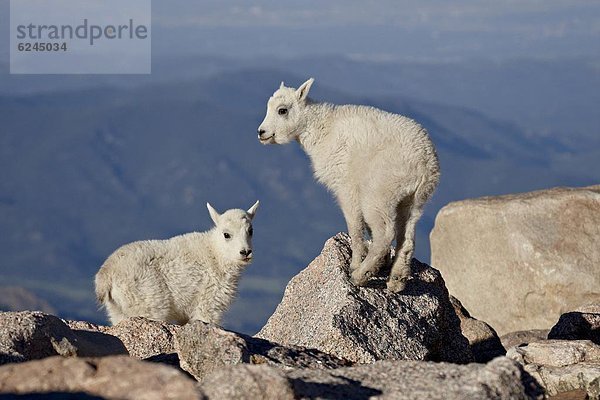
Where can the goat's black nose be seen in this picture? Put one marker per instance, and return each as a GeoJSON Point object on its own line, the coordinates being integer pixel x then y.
{"type": "Point", "coordinates": [261, 131]}
{"type": "Point", "coordinates": [246, 252]}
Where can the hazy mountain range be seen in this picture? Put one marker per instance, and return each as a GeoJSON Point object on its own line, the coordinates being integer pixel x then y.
{"type": "Point", "coordinates": [91, 163]}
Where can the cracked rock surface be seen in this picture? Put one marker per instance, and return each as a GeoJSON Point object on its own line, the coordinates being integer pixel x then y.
{"type": "Point", "coordinates": [322, 309]}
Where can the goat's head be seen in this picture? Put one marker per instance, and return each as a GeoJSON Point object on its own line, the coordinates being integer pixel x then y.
{"type": "Point", "coordinates": [286, 117]}
{"type": "Point", "coordinates": [233, 233]}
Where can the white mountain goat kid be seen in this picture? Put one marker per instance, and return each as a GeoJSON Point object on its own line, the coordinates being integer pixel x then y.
{"type": "Point", "coordinates": [189, 277]}
{"type": "Point", "coordinates": [382, 167]}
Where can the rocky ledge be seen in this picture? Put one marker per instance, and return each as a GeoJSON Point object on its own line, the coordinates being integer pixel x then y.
{"type": "Point", "coordinates": [327, 339]}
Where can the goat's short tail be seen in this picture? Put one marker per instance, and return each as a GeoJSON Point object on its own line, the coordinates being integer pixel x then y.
{"type": "Point", "coordinates": [103, 287]}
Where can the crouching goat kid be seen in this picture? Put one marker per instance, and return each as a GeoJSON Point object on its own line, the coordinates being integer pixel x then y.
{"type": "Point", "coordinates": [189, 277]}
{"type": "Point", "coordinates": [382, 168]}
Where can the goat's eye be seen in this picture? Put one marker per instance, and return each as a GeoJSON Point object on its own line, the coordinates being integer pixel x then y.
{"type": "Point", "coordinates": [282, 111]}
{"type": "Point", "coordinates": [250, 231]}
{"type": "Point", "coordinates": [227, 235]}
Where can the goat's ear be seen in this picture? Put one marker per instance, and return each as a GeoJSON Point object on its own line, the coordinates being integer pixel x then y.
{"type": "Point", "coordinates": [282, 85]}
{"type": "Point", "coordinates": [214, 214]}
{"type": "Point", "coordinates": [252, 210]}
{"type": "Point", "coordinates": [303, 90]}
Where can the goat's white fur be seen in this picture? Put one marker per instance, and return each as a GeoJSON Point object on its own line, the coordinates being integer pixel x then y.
{"type": "Point", "coordinates": [382, 167]}
{"type": "Point", "coordinates": [188, 277]}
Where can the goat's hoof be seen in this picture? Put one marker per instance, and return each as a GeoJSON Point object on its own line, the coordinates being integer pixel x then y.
{"type": "Point", "coordinates": [359, 278]}
{"type": "Point", "coordinates": [397, 283]}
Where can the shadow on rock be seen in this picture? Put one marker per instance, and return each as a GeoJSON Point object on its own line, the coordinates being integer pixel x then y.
{"type": "Point", "coordinates": [576, 325]}
{"type": "Point", "coordinates": [349, 389]}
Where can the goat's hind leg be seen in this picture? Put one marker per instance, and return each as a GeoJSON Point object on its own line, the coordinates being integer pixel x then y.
{"type": "Point", "coordinates": [405, 246]}
{"type": "Point", "coordinates": [382, 224]}
{"type": "Point", "coordinates": [356, 229]}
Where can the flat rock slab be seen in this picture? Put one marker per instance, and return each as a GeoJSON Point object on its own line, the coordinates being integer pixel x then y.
{"type": "Point", "coordinates": [520, 338]}
{"type": "Point", "coordinates": [32, 335]}
{"type": "Point", "coordinates": [322, 309]}
{"type": "Point", "coordinates": [245, 381]}
{"type": "Point", "coordinates": [28, 336]}
{"type": "Point", "coordinates": [556, 353]}
{"type": "Point", "coordinates": [499, 379]}
{"type": "Point", "coordinates": [562, 365]}
{"type": "Point", "coordinates": [519, 261]}
{"type": "Point", "coordinates": [114, 377]}
{"type": "Point", "coordinates": [578, 377]}
{"type": "Point", "coordinates": [143, 338]}
{"type": "Point", "coordinates": [204, 348]}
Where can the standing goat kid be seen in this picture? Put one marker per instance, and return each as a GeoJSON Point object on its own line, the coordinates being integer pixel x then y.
{"type": "Point", "coordinates": [382, 167]}
{"type": "Point", "coordinates": [189, 277]}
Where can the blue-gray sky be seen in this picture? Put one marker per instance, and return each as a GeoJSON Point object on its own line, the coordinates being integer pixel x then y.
{"type": "Point", "coordinates": [537, 17]}
{"type": "Point", "coordinates": [385, 29]}
{"type": "Point", "coordinates": [429, 29]}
